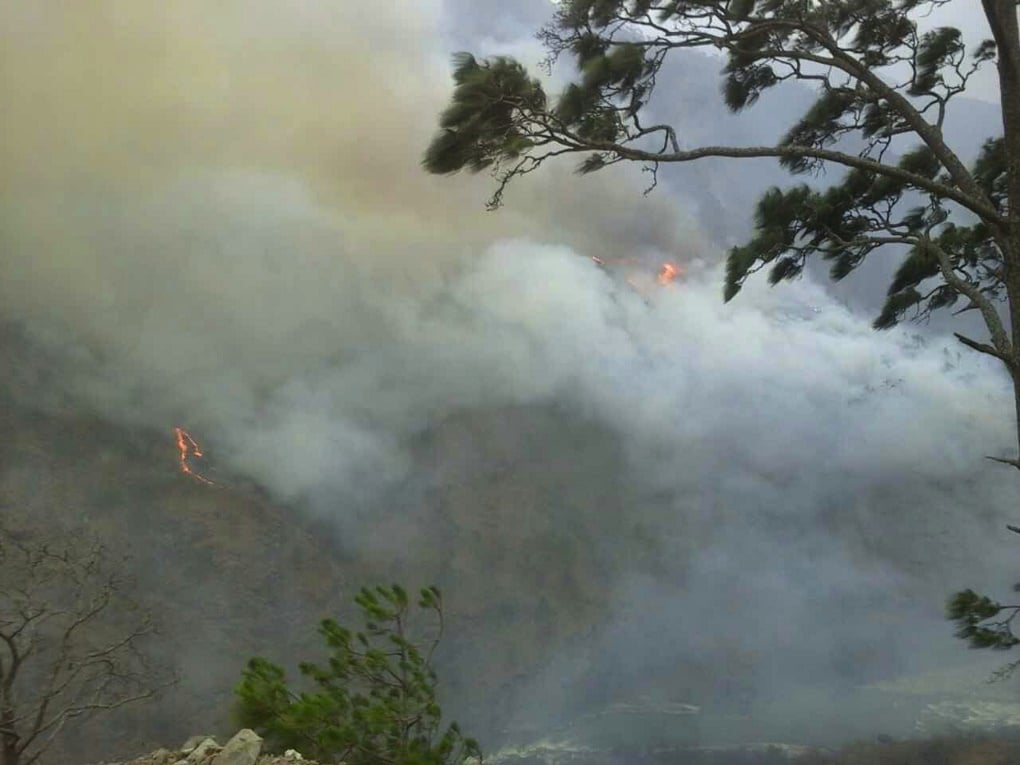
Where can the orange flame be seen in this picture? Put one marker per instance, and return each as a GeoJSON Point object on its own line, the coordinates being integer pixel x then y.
{"type": "Point", "coordinates": [668, 273]}
{"type": "Point", "coordinates": [187, 448]}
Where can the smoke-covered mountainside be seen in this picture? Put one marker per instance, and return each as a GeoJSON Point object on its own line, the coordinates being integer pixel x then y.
{"type": "Point", "coordinates": [216, 236]}
{"type": "Point", "coordinates": [582, 568]}
{"type": "Point", "coordinates": [232, 574]}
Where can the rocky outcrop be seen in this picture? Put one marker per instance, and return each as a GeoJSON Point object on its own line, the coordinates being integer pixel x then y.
{"type": "Point", "coordinates": [244, 748]}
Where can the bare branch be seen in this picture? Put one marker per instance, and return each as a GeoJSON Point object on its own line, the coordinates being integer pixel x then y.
{"type": "Point", "coordinates": [72, 638]}
{"type": "Point", "coordinates": [1005, 461]}
{"type": "Point", "coordinates": [975, 205]}
{"type": "Point", "coordinates": [982, 347]}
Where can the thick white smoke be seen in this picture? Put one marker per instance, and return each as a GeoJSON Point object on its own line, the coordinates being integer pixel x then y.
{"type": "Point", "coordinates": [218, 214]}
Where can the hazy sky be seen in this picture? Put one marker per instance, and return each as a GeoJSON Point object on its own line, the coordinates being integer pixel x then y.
{"type": "Point", "coordinates": [216, 214]}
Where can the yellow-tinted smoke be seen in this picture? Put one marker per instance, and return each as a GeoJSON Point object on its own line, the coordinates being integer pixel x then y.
{"type": "Point", "coordinates": [194, 184]}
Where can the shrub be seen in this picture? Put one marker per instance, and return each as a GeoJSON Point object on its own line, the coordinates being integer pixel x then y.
{"type": "Point", "coordinates": [372, 703]}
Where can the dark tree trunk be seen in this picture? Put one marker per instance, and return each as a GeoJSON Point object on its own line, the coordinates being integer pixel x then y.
{"type": "Point", "coordinates": [1002, 18]}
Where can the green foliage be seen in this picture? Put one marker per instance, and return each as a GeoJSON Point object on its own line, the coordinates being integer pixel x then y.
{"type": "Point", "coordinates": [990, 171]}
{"type": "Point", "coordinates": [921, 160]}
{"type": "Point", "coordinates": [972, 614]}
{"type": "Point", "coordinates": [820, 126]}
{"type": "Point", "coordinates": [896, 305]}
{"type": "Point", "coordinates": [482, 124]}
{"type": "Point", "coordinates": [744, 85]}
{"type": "Point", "coordinates": [938, 49]}
{"type": "Point", "coordinates": [839, 224]}
{"type": "Point", "coordinates": [372, 703]}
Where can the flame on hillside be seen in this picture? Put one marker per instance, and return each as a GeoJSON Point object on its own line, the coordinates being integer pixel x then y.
{"type": "Point", "coordinates": [668, 273]}
{"type": "Point", "coordinates": [187, 448]}
{"type": "Point", "coordinates": [637, 273]}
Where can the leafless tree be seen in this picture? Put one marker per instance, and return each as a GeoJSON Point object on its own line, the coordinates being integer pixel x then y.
{"type": "Point", "coordinates": [72, 642]}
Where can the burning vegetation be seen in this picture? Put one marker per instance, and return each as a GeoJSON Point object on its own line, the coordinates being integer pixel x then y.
{"type": "Point", "coordinates": [187, 449]}
{"type": "Point", "coordinates": [668, 273]}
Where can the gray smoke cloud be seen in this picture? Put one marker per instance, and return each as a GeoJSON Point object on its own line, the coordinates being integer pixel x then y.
{"type": "Point", "coordinates": [217, 216]}
{"type": "Point", "coordinates": [230, 187]}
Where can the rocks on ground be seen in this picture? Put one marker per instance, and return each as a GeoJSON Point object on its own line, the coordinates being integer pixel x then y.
{"type": "Point", "coordinates": [244, 748]}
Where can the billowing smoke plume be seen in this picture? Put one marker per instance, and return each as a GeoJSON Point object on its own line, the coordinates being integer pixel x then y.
{"type": "Point", "coordinates": [216, 215]}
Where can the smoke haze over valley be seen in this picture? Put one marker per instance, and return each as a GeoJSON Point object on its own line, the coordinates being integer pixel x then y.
{"type": "Point", "coordinates": [214, 217]}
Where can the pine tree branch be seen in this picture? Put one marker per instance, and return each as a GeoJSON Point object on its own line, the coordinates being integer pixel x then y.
{"type": "Point", "coordinates": [976, 205]}
{"type": "Point", "coordinates": [929, 133]}
{"type": "Point", "coordinates": [1005, 461]}
{"type": "Point", "coordinates": [1005, 351]}
{"type": "Point", "coordinates": [725, 37]}
{"type": "Point", "coordinates": [981, 347]}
